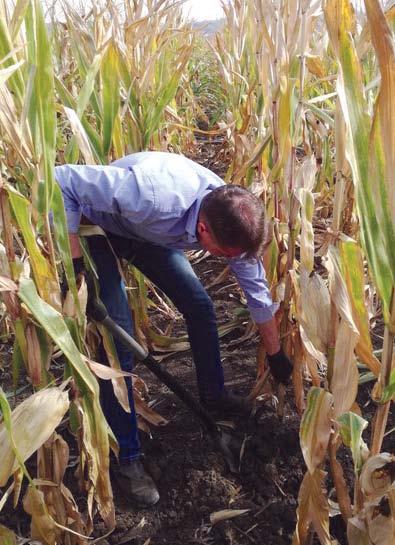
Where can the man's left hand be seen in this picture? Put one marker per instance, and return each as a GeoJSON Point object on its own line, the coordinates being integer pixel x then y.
{"type": "Point", "coordinates": [280, 366]}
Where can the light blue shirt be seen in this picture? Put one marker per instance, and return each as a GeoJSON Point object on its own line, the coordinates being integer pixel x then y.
{"type": "Point", "coordinates": [155, 196]}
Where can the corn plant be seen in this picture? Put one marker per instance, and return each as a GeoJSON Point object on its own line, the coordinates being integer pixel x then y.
{"type": "Point", "coordinates": [90, 104]}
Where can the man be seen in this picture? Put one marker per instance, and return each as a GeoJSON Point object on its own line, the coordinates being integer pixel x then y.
{"type": "Point", "coordinates": [153, 205]}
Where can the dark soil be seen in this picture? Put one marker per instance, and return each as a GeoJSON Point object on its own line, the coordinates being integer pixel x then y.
{"type": "Point", "coordinates": [193, 477]}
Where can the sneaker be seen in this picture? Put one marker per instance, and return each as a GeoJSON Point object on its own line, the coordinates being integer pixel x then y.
{"type": "Point", "coordinates": [229, 404]}
{"type": "Point", "coordinates": [135, 484]}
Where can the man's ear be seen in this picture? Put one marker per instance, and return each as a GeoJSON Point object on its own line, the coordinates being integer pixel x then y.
{"type": "Point", "coordinates": [202, 227]}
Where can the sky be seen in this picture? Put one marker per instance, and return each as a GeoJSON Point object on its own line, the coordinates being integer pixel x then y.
{"type": "Point", "coordinates": [204, 9]}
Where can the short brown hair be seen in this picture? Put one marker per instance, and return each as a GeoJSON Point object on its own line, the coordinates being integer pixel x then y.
{"type": "Point", "coordinates": [236, 218]}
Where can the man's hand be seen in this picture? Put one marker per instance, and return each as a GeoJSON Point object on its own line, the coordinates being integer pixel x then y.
{"type": "Point", "coordinates": [280, 366]}
{"type": "Point", "coordinates": [79, 269]}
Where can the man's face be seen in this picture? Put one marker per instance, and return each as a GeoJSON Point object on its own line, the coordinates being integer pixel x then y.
{"type": "Point", "coordinates": [208, 242]}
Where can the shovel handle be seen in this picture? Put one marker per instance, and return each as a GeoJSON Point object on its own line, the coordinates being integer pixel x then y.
{"type": "Point", "coordinates": [99, 313]}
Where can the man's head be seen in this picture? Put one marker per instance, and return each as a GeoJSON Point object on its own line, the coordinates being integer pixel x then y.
{"type": "Point", "coordinates": [231, 222]}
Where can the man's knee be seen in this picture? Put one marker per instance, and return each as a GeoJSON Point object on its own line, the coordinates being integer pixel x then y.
{"type": "Point", "coordinates": [198, 305]}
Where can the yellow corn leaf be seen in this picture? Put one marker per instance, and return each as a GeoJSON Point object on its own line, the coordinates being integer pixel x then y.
{"type": "Point", "coordinates": [316, 427]}
{"type": "Point", "coordinates": [306, 234]}
{"type": "Point", "coordinates": [315, 66]}
{"type": "Point", "coordinates": [7, 537]}
{"type": "Point", "coordinates": [32, 423]}
{"type": "Point", "coordinates": [344, 380]}
{"type": "Point", "coordinates": [314, 310]}
{"type": "Point", "coordinates": [313, 510]}
{"type": "Point", "coordinates": [44, 274]}
{"type": "Point", "coordinates": [338, 289]}
{"type": "Point", "coordinates": [353, 273]}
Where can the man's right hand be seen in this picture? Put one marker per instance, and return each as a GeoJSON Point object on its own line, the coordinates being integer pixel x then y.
{"type": "Point", "coordinates": [280, 366]}
{"type": "Point", "coordinates": [79, 269]}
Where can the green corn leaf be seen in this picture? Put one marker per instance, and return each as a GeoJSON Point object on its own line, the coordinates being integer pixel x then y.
{"type": "Point", "coordinates": [366, 155]}
{"type": "Point", "coordinates": [54, 325]}
{"type": "Point", "coordinates": [352, 426]}
{"type": "Point", "coordinates": [16, 82]}
{"type": "Point", "coordinates": [42, 270]}
{"type": "Point", "coordinates": [62, 238]}
{"type": "Point", "coordinates": [110, 85]}
{"type": "Point", "coordinates": [94, 138]}
{"type": "Point", "coordinates": [353, 274]}
{"type": "Point", "coordinates": [42, 111]}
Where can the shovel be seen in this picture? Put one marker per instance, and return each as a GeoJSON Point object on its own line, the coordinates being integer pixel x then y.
{"type": "Point", "coordinates": [221, 439]}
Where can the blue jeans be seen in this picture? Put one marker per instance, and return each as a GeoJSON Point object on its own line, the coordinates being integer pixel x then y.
{"type": "Point", "coordinates": [170, 271]}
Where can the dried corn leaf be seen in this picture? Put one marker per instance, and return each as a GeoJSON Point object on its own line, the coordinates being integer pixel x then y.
{"type": "Point", "coordinates": [313, 510]}
{"type": "Point", "coordinates": [314, 310]}
{"type": "Point", "coordinates": [146, 412]}
{"type": "Point", "coordinates": [316, 427]}
{"type": "Point", "coordinates": [32, 423]}
{"type": "Point", "coordinates": [53, 458]}
{"type": "Point", "coordinates": [80, 135]}
{"type": "Point", "coordinates": [344, 380]}
{"type": "Point", "coordinates": [338, 289]}
{"type": "Point", "coordinates": [377, 475]}
{"type": "Point", "coordinates": [43, 527]}
{"type": "Point", "coordinates": [226, 514]}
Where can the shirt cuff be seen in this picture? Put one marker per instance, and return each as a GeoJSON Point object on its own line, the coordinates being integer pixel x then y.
{"type": "Point", "coordinates": [264, 314]}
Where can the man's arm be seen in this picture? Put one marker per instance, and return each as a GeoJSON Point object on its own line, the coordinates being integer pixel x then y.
{"type": "Point", "coordinates": [75, 246]}
{"type": "Point", "coordinates": [270, 336]}
{"type": "Point", "coordinates": [251, 277]}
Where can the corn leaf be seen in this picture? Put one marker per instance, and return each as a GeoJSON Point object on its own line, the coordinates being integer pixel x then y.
{"type": "Point", "coordinates": [353, 274]}
{"type": "Point", "coordinates": [42, 107]}
{"type": "Point", "coordinates": [365, 156]}
{"type": "Point", "coordinates": [313, 509]}
{"type": "Point", "coordinates": [110, 100]}
{"type": "Point", "coordinates": [316, 427]}
{"type": "Point", "coordinates": [344, 379]}
{"type": "Point", "coordinates": [42, 270]}
{"type": "Point", "coordinates": [7, 537]}
{"type": "Point", "coordinates": [352, 426]}
{"type": "Point", "coordinates": [30, 425]}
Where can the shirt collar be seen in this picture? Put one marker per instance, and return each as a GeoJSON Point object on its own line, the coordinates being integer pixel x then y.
{"type": "Point", "coordinates": [193, 217]}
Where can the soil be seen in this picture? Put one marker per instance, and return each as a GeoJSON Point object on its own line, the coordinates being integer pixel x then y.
{"type": "Point", "coordinates": [192, 476]}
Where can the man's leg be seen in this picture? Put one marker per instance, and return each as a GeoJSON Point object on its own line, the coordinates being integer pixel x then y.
{"type": "Point", "coordinates": [131, 475]}
{"type": "Point", "coordinates": [171, 271]}
{"type": "Point", "coordinates": [113, 295]}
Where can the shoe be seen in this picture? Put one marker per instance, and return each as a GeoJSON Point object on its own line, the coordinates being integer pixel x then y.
{"type": "Point", "coordinates": [135, 484]}
{"type": "Point", "coordinates": [228, 404]}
